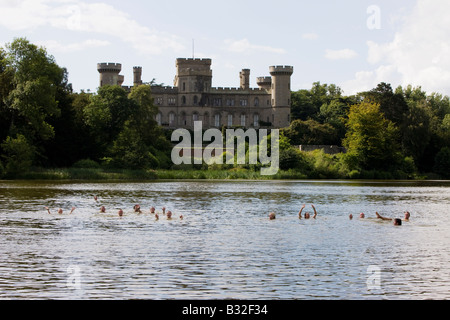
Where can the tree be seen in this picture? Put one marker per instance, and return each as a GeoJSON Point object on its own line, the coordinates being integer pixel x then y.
{"type": "Point", "coordinates": [371, 139]}
{"type": "Point", "coordinates": [442, 163]}
{"type": "Point", "coordinates": [392, 105]}
{"type": "Point", "coordinates": [310, 132]}
{"type": "Point", "coordinates": [18, 155]}
{"type": "Point", "coordinates": [35, 85]}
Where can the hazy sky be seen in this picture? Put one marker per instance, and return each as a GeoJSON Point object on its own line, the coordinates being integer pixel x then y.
{"type": "Point", "coordinates": [354, 44]}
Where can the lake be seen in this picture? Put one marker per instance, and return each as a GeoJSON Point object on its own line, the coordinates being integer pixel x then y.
{"type": "Point", "coordinates": [225, 247]}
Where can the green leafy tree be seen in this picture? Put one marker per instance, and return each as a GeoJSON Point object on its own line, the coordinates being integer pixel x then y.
{"type": "Point", "coordinates": [371, 139]}
{"type": "Point", "coordinates": [310, 132]}
{"type": "Point", "coordinates": [392, 105]}
{"type": "Point", "coordinates": [18, 155]}
{"type": "Point", "coordinates": [442, 163]}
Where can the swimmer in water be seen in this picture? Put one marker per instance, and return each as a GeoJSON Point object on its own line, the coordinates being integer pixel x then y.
{"type": "Point", "coordinates": [60, 211]}
{"type": "Point", "coordinates": [137, 208]}
{"type": "Point", "coordinates": [362, 215]}
{"type": "Point", "coordinates": [272, 216]}
{"type": "Point", "coordinates": [397, 222]}
{"type": "Point", "coordinates": [350, 216]}
{"type": "Point", "coordinates": [307, 214]}
{"type": "Point", "coordinates": [102, 209]}
{"type": "Point", "coordinates": [156, 217]}
{"type": "Point", "coordinates": [152, 210]}
{"type": "Point", "coordinates": [120, 212]}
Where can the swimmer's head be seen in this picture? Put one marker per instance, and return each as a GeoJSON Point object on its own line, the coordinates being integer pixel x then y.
{"type": "Point", "coordinates": [169, 214]}
{"type": "Point", "coordinates": [407, 215]}
{"type": "Point", "coordinates": [272, 216]}
{"type": "Point", "coordinates": [397, 222]}
{"type": "Point", "coordinates": [362, 215]}
{"type": "Point", "coordinates": [307, 215]}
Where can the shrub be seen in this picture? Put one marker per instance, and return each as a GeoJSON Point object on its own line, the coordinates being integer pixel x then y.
{"type": "Point", "coordinates": [86, 164]}
{"type": "Point", "coordinates": [18, 155]}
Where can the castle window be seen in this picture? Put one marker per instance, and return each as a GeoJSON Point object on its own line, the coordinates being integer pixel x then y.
{"type": "Point", "coordinates": [159, 118]}
{"type": "Point", "coordinates": [217, 120]}
{"type": "Point", "coordinates": [184, 86]}
{"type": "Point", "coordinates": [159, 101]}
{"type": "Point", "coordinates": [256, 102]}
{"type": "Point", "coordinates": [256, 120]}
{"type": "Point", "coordinates": [195, 100]}
{"type": "Point", "coordinates": [230, 120]}
{"type": "Point", "coordinates": [217, 102]}
{"type": "Point", "coordinates": [172, 101]}
{"type": "Point", "coordinates": [183, 100]}
{"type": "Point", "coordinates": [243, 120]}
{"type": "Point", "coordinates": [230, 102]}
{"type": "Point", "coordinates": [195, 117]}
{"type": "Point", "coordinates": [244, 102]}
{"type": "Point", "coordinates": [171, 119]}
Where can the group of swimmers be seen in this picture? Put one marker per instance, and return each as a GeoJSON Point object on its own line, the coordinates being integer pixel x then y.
{"type": "Point", "coordinates": [272, 215]}
{"type": "Point", "coordinates": [397, 221]}
{"type": "Point", "coordinates": [136, 209]}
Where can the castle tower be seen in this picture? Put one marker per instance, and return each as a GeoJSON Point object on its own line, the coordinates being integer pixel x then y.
{"type": "Point", "coordinates": [193, 75]}
{"type": "Point", "coordinates": [109, 74]}
{"type": "Point", "coordinates": [245, 79]}
{"type": "Point", "coordinates": [137, 73]}
{"type": "Point", "coordinates": [264, 83]}
{"type": "Point", "coordinates": [281, 95]}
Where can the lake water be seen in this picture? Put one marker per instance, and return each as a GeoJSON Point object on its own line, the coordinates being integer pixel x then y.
{"type": "Point", "coordinates": [225, 247]}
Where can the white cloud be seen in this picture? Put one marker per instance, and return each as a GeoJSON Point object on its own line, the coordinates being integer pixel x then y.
{"type": "Point", "coordinates": [244, 46]}
{"type": "Point", "coordinates": [344, 54]}
{"type": "Point", "coordinates": [419, 53]}
{"type": "Point", "coordinates": [86, 17]}
{"type": "Point", "coordinates": [55, 46]}
{"type": "Point", "coordinates": [310, 36]}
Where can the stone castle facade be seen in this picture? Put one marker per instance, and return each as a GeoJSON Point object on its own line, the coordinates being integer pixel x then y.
{"type": "Point", "coordinates": [193, 98]}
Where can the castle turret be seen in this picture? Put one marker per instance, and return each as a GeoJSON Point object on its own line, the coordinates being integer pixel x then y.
{"type": "Point", "coordinates": [137, 72]}
{"type": "Point", "coordinates": [264, 83]}
{"type": "Point", "coordinates": [245, 79]}
{"type": "Point", "coordinates": [109, 74]}
{"type": "Point", "coordinates": [281, 95]}
{"type": "Point", "coordinates": [193, 75]}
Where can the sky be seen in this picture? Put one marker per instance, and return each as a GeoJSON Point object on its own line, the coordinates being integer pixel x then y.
{"type": "Point", "coordinates": [354, 44]}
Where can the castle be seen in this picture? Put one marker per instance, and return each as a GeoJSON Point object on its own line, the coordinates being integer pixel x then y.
{"type": "Point", "coordinates": [193, 98]}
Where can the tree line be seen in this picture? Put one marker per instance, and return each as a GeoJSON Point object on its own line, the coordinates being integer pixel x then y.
{"type": "Point", "coordinates": [43, 123]}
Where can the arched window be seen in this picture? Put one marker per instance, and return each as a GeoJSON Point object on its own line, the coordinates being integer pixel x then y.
{"type": "Point", "coordinates": [171, 119]}
{"type": "Point", "coordinates": [159, 118]}
{"type": "Point", "coordinates": [230, 120]}
{"type": "Point", "coordinates": [256, 120]}
{"type": "Point", "coordinates": [183, 100]}
{"type": "Point", "coordinates": [243, 120]}
{"type": "Point", "coordinates": [256, 102]}
{"type": "Point", "coordinates": [217, 120]}
{"type": "Point", "coordinates": [195, 116]}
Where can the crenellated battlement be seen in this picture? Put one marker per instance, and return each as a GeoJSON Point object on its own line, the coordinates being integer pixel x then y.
{"type": "Point", "coordinates": [281, 70]}
{"type": "Point", "coordinates": [194, 60]}
{"type": "Point", "coordinates": [109, 67]}
{"type": "Point", "coordinates": [264, 80]}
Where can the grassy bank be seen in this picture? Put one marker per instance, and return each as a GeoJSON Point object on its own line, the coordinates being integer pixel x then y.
{"type": "Point", "coordinates": [190, 174]}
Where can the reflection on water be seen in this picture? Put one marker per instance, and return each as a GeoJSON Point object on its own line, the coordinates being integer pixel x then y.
{"type": "Point", "coordinates": [225, 247]}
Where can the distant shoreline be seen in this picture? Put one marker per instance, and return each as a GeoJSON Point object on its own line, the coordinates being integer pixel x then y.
{"type": "Point", "coordinates": [102, 174]}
